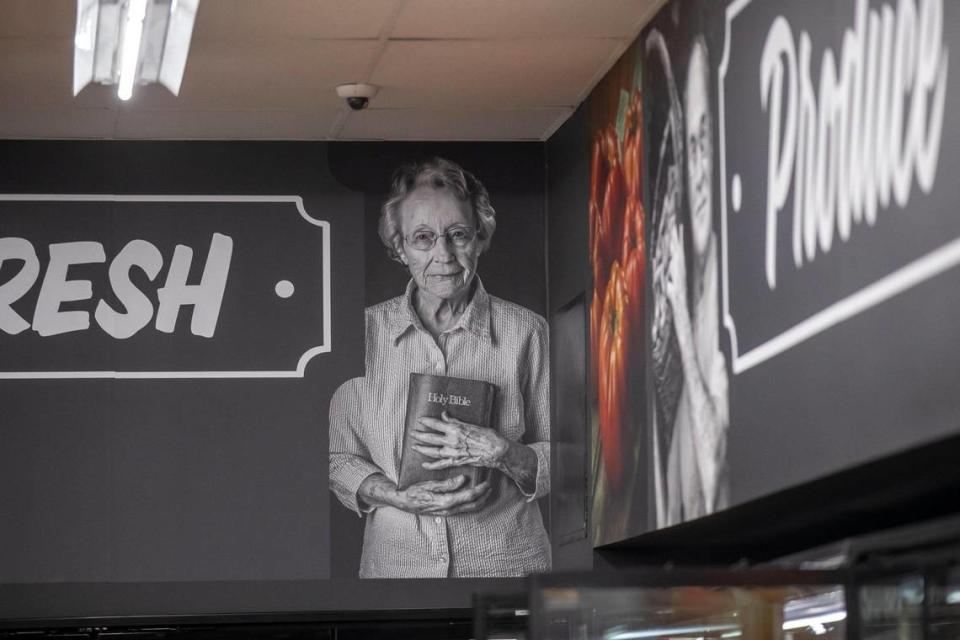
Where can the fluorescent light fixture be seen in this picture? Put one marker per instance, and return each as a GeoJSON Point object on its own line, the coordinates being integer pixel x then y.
{"type": "Point", "coordinates": [669, 631]}
{"type": "Point", "coordinates": [815, 621]}
{"type": "Point", "coordinates": [130, 42]}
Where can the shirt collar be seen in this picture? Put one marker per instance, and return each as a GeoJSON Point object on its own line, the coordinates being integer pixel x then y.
{"type": "Point", "coordinates": [475, 318]}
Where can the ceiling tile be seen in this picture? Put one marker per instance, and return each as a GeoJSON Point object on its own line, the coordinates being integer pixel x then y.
{"type": "Point", "coordinates": [458, 124]}
{"type": "Point", "coordinates": [36, 72]}
{"type": "Point", "coordinates": [488, 74]}
{"type": "Point", "coordinates": [526, 19]}
{"type": "Point", "coordinates": [38, 18]}
{"type": "Point", "coordinates": [245, 20]}
{"type": "Point", "coordinates": [264, 75]}
{"type": "Point", "coordinates": [165, 124]}
{"type": "Point", "coordinates": [96, 95]}
{"type": "Point", "coordinates": [56, 123]}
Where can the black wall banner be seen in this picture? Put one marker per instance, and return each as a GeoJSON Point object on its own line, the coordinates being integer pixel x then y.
{"type": "Point", "coordinates": [174, 319]}
{"type": "Point", "coordinates": [838, 147]}
{"type": "Point", "coordinates": [822, 139]}
{"type": "Point", "coordinates": [836, 150]}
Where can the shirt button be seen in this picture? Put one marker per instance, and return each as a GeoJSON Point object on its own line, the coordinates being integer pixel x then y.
{"type": "Point", "coordinates": [443, 558]}
{"type": "Point", "coordinates": [438, 519]}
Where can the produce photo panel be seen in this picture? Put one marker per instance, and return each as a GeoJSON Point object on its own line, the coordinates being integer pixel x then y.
{"type": "Point", "coordinates": [620, 453]}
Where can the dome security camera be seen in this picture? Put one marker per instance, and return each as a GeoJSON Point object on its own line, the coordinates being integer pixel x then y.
{"type": "Point", "coordinates": [357, 95]}
{"type": "Point", "coordinates": [357, 103]}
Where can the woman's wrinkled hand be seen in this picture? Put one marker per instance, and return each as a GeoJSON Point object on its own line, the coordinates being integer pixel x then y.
{"type": "Point", "coordinates": [431, 497]}
{"type": "Point", "coordinates": [450, 442]}
{"type": "Point", "coordinates": [444, 497]}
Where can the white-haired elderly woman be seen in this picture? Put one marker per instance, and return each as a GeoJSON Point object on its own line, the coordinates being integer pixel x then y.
{"type": "Point", "coordinates": [437, 222]}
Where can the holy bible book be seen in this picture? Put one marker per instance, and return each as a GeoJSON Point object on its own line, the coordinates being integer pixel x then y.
{"type": "Point", "coordinates": [467, 400]}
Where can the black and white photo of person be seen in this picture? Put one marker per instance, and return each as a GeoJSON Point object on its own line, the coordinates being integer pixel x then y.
{"type": "Point", "coordinates": [437, 221]}
{"type": "Point", "coordinates": [694, 480]}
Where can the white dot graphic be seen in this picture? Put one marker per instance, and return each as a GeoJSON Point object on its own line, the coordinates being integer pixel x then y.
{"type": "Point", "coordinates": [736, 192]}
{"type": "Point", "coordinates": [284, 288]}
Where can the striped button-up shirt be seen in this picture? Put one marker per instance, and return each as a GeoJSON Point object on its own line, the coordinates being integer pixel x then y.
{"type": "Point", "coordinates": [496, 341]}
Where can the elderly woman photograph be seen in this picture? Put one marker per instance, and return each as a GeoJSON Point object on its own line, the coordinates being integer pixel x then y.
{"type": "Point", "coordinates": [436, 222]}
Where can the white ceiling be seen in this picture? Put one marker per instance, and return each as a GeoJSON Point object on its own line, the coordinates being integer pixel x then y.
{"type": "Point", "coordinates": [266, 69]}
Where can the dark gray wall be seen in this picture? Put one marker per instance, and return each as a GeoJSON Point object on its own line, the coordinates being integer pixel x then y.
{"type": "Point", "coordinates": [878, 385]}
{"type": "Point", "coordinates": [163, 479]}
{"type": "Point", "coordinates": [568, 268]}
